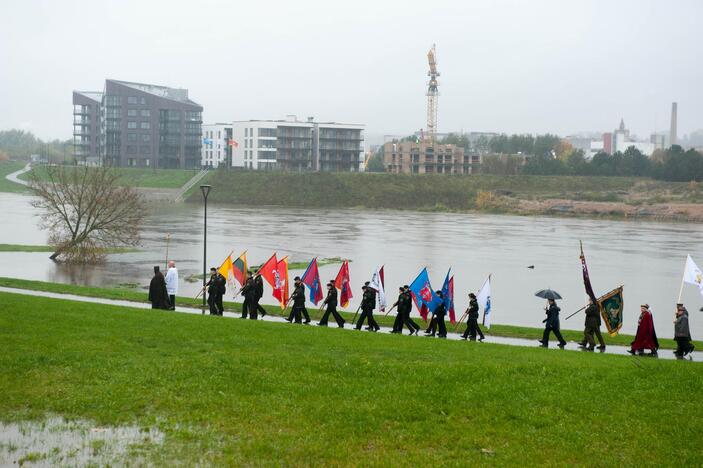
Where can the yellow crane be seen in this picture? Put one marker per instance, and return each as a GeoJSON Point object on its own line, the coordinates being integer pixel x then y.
{"type": "Point", "coordinates": [432, 96]}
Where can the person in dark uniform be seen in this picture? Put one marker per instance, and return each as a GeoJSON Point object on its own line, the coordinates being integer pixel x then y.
{"type": "Point", "coordinates": [431, 327]}
{"type": "Point", "coordinates": [409, 322]}
{"type": "Point", "coordinates": [368, 304]}
{"type": "Point", "coordinates": [682, 333]}
{"type": "Point", "coordinates": [472, 328]}
{"type": "Point", "coordinates": [248, 292]}
{"type": "Point", "coordinates": [439, 313]}
{"type": "Point", "coordinates": [212, 292]}
{"type": "Point", "coordinates": [259, 285]}
{"type": "Point", "coordinates": [552, 325]}
{"type": "Point", "coordinates": [158, 296]}
{"type": "Point", "coordinates": [298, 298]}
{"type": "Point", "coordinates": [399, 319]}
{"type": "Point", "coordinates": [331, 303]}
{"type": "Point", "coordinates": [592, 328]}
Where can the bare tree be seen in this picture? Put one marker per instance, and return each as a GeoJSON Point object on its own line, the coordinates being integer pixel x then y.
{"type": "Point", "coordinates": [86, 212]}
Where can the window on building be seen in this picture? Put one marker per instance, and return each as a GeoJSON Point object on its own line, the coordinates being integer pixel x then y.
{"type": "Point", "coordinates": [145, 113]}
{"type": "Point", "coordinates": [131, 99]}
{"type": "Point", "coordinates": [131, 124]}
{"type": "Point", "coordinates": [112, 100]}
{"type": "Point", "coordinates": [146, 137]}
{"type": "Point", "coordinates": [145, 125]}
{"type": "Point", "coordinates": [131, 137]}
{"type": "Point", "coordinates": [267, 132]}
{"type": "Point", "coordinates": [142, 101]}
{"type": "Point", "coordinates": [218, 135]}
{"type": "Point", "coordinates": [131, 112]}
{"type": "Point", "coordinates": [246, 132]}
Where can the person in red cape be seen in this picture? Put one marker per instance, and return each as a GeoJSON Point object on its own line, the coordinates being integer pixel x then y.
{"type": "Point", "coordinates": [646, 337]}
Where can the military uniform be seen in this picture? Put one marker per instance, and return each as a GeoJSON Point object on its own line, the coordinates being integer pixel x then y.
{"type": "Point", "coordinates": [250, 299]}
{"type": "Point", "coordinates": [368, 304]}
{"type": "Point", "coordinates": [472, 328]}
{"type": "Point", "coordinates": [439, 314]}
{"type": "Point", "coordinates": [331, 303]}
{"type": "Point", "coordinates": [592, 328]}
{"type": "Point", "coordinates": [259, 287]}
{"type": "Point", "coordinates": [298, 309]}
{"type": "Point", "coordinates": [408, 307]}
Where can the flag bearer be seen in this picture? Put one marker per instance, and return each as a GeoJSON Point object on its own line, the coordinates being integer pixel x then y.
{"type": "Point", "coordinates": [682, 332]}
{"type": "Point", "coordinates": [439, 314]}
{"type": "Point", "coordinates": [591, 328]}
{"type": "Point", "coordinates": [249, 293]}
{"type": "Point", "coordinates": [399, 316]}
{"type": "Point", "coordinates": [259, 287]}
{"type": "Point", "coordinates": [331, 303]}
{"type": "Point", "coordinates": [298, 297]}
{"type": "Point", "coordinates": [472, 328]}
{"type": "Point", "coordinates": [409, 322]}
{"type": "Point", "coordinates": [368, 304]}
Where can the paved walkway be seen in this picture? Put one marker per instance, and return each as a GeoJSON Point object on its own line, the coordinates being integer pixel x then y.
{"type": "Point", "coordinates": [571, 346]}
{"type": "Point", "coordinates": [14, 177]}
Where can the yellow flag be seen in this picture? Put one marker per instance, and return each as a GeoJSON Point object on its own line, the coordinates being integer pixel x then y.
{"type": "Point", "coordinates": [226, 269]}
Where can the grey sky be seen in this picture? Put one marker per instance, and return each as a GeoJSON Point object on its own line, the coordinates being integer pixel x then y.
{"type": "Point", "coordinates": [510, 66]}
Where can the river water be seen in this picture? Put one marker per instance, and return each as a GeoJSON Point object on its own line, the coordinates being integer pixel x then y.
{"type": "Point", "coordinates": [646, 257]}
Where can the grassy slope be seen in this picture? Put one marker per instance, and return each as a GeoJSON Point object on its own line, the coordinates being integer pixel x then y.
{"type": "Point", "coordinates": [138, 296]}
{"type": "Point", "coordinates": [148, 178]}
{"type": "Point", "coordinates": [235, 392]}
{"type": "Point", "coordinates": [8, 167]}
{"type": "Point", "coordinates": [399, 191]}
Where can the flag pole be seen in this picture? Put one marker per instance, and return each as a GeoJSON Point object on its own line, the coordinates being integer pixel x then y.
{"type": "Point", "coordinates": [202, 291]}
{"type": "Point", "coordinates": [168, 238]}
{"type": "Point", "coordinates": [483, 318]}
{"type": "Point", "coordinates": [683, 276]}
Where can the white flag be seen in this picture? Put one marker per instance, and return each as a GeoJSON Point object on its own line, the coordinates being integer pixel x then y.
{"type": "Point", "coordinates": [693, 274]}
{"type": "Point", "coordinates": [484, 299]}
{"type": "Point", "coordinates": [377, 284]}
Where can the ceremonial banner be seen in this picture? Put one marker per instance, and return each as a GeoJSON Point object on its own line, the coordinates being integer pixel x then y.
{"type": "Point", "coordinates": [377, 284]}
{"type": "Point", "coordinates": [267, 270]}
{"type": "Point", "coordinates": [240, 268]}
{"type": "Point", "coordinates": [226, 269]}
{"type": "Point", "coordinates": [343, 283]}
{"type": "Point", "coordinates": [423, 295]}
{"type": "Point", "coordinates": [484, 300]}
{"type": "Point", "coordinates": [311, 278]}
{"type": "Point", "coordinates": [587, 278]}
{"type": "Point", "coordinates": [693, 274]}
{"type": "Point", "coordinates": [611, 307]}
{"type": "Point", "coordinates": [280, 283]}
{"type": "Point", "coordinates": [448, 294]}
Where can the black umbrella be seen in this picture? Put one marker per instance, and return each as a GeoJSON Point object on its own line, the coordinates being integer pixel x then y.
{"type": "Point", "coordinates": [547, 294]}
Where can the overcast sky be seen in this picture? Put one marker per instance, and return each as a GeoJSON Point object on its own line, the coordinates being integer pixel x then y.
{"type": "Point", "coordinates": [506, 66]}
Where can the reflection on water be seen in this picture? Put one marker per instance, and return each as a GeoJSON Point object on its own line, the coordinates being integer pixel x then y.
{"type": "Point", "coordinates": [648, 258]}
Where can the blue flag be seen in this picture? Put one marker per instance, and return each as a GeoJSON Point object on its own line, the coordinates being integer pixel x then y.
{"type": "Point", "coordinates": [446, 296]}
{"type": "Point", "coordinates": [207, 141]}
{"type": "Point", "coordinates": [423, 294]}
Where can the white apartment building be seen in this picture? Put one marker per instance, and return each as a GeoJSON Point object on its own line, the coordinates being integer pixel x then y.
{"type": "Point", "coordinates": [216, 144]}
{"type": "Point", "coordinates": [296, 145]}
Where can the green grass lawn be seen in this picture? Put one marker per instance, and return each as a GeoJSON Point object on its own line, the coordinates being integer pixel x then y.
{"type": "Point", "coordinates": [8, 167]}
{"type": "Point", "coordinates": [148, 178]}
{"type": "Point", "coordinates": [235, 392]}
{"type": "Point", "coordinates": [530, 333]}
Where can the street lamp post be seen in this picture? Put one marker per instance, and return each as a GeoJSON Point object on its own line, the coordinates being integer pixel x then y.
{"type": "Point", "coordinates": [205, 189]}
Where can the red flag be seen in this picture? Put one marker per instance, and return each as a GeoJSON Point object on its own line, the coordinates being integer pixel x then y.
{"type": "Point", "coordinates": [280, 286]}
{"type": "Point", "coordinates": [267, 270]}
{"type": "Point", "coordinates": [343, 283]}
{"type": "Point", "coordinates": [452, 314]}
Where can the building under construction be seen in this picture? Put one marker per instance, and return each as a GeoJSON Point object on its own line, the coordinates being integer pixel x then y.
{"type": "Point", "coordinates": [425, 155]}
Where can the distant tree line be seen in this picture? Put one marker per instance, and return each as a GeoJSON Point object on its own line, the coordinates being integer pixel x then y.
{"type": "Point", "coordinates": [20, 144]}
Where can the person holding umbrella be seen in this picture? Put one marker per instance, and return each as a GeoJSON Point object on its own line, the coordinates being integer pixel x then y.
{"type": "Point", "coordinates": [552, 320]}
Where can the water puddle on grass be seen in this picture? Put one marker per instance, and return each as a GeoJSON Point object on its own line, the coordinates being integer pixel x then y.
{"type": "Point", "coordinates": [57, 441]}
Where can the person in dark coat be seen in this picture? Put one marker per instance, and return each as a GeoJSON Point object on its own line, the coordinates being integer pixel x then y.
{"type": "Point", "coordinates": [400, 312]}
{"type": "Point", "coordinates": [439, 313]}
{"type": "Point", "coordinates": [368, 304]}
{"type": "Point", "coordinates": [592, 328]}
{"type": "Point", "coordinates": [158, 296]}
{"type": "Point", "coordinates": [646, 337]}
{"type": "Point", "coordinates": [409, 322]}
{"type": "Point", "coordinates": [472, 328]}
{"type": "Point", "coordinates": [331, 307]}
{"type": "Point", "coordinates": [250, 299]}
{"type": "Point", "coordinates": [552, 325]}
{"type": "Point", "coordinates": [298, 298]}
{"type": "Point", "coordinates": [259, 285]}
{"type": "Point", "coordinates": [212, 292]}
{"type": "Point", "coordinates": [431, 329]}
{"type": "Point", "coordinates": [682, 332]}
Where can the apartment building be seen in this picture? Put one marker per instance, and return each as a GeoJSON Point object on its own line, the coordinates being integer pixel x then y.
{"type": "Point", "coordinates": [217, 143]}
{"type": "Point", "coordinates": [426, 158]}
{"type": "Point", "coordinates": [86, 127]}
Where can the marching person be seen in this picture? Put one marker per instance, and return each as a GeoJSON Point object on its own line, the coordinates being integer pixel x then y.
{"type": "Point", "coordinates": [298, 298]}
{"type": "Point", "coordinates": [431, 327]}
{"type": "Point", "coordinates": [439, 314]}
{"type": "Point", "coordinates": [213, 289]}
{"type": "Point", "coordinates": [400, 312]}
{"type": "Point", "coordinates": [591, 328]}
{"type": "Point", "coordinates": [331, 303]}
{"type": "Point", "coordinates": [158, 296]}
{"type": "Point", "coordinates": [250, 299]}
{"type": "Point", "coordinates": [409, 322]}
{"type": "Point", "coordinates": [552, 325]}
{"type": "Point", "coordinates": [172, 283]}
{"type": "Point", "coordinates": [368, 304]}
{"type": "Point", "coordinates": [682, 332]}
{"type": "Point", "coordinates": [646, 337]}
{"type": "Point", "coordinates": [259, 286]}
{"type": "Point", "coordinates": [472, 328]}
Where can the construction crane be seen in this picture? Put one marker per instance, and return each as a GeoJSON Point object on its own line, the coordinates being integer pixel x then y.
{"type": "Point", "coordinates": [432, 96]}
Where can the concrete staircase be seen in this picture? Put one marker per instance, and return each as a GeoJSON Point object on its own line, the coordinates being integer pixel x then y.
{"type": "Point", "coordinates": [180, 196]}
